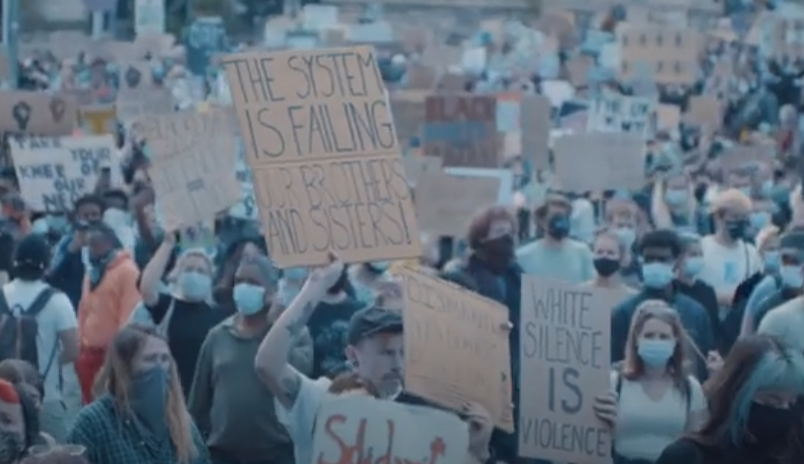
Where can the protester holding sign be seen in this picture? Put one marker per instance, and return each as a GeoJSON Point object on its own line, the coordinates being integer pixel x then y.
{"type": "Point", "coordinates": [657, 400]}
{"type": "Point", "coordinates": [609, 256]}
{"type": "Point", "coordinates": [754, 415]}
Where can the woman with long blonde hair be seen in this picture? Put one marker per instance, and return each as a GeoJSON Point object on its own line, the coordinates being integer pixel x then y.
{"type": "Point", "coordinates": [138, 415]}
{"type": "Point", "coordinates": [656, 400]}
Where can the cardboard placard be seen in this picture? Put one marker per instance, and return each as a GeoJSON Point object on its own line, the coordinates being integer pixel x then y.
{"type": "Point", "coordinates": [416, 166]}
{"type": "Point", "coordinates": [600, 161]}
{"type": "Point", "coordinates": [447, 202]}
{"type": "Point", "coordinates": [671, 54]}
{"type": "Point", "coordinates": [37, 113]}
{"type": "Point", "coordinates": [462, 130]}
{"type": "Point", "coordinates": [668, 117]}
{"type": "Point", "coordinates": [135, 104]}
{"type": "Point", "coordinates": [99, 119]}
{"type": "Point", "coordinates": [536, 122]}
{"type": "Point", "coordinates": [358, 425]}
{"type": "Point", "coordinates": [54, 172]}
{"type": "Point", "coordinates": [565, 340]}
{"type": "Point", "coordinates": [705, 111]}
{"type": "Point", "coordinates": [618, 113]}
{"type": "Point", "coordinates": [456, 347]}
{"type": "Point", "coordinates": [408, 110]}
{"type": "Point", "coordinates": [320, 138]}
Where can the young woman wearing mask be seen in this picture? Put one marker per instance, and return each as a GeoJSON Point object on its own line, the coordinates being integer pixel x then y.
{"type": "Point", "coordinates": [186, 314]}
{"type": "Point", "coordinates": [622, 220]}
{"type": "Point", "coordinates": [609, 254]}
{"type": "Point", "coordinates": [657, 401]}
{"type": "Point", "coordinates": [754, 409]}
{"type": "Point", "coordinates": [19, 424]}
{"type": "Point", "coordinates": [138, 415]}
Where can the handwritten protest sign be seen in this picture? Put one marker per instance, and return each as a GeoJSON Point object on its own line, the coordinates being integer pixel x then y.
{"type": "Point", "coordinates": [351, 427]}
{"type": "Point", "coordinates": [321, 142]}
{"type": "Point", "coordinates": [447, 202]}
{"type": "Point", "coordinates": [462, 130]}
{"type": "Point", "coordinates": [671, 54]}
{"type": "Point", "coordinates": [617, 113]}
{"type": "Point", "coordinates": [536, 122]}
{"type": "Point", "coordinates": [55, 171]}
{"type": "Point", "coordinates": [37, 113]}
{"type": "Point", "coordinates": [564, 351]}
{"type": "Point", "coordinates": [416, 166]}
{"type": "Point", "coordinates": [600, 161]}
{"type": "Point", "coordinates": [456, 349]}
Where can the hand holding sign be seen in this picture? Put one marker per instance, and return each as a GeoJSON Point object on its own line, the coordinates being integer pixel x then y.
{"type": "Point", "coordinates": [605, 407]}
{"type": "Point", "coordinates": [322, 278]}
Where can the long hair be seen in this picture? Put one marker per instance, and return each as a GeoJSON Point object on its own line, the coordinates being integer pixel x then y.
{"type": "Point", "coordinates": [633, 368]}
{"type": "Point", "coordinates": [756, 363]}
{"type": "Point", "coordinates": [181, 263]}
{"type": "Point", "coordinates": [115, 378]}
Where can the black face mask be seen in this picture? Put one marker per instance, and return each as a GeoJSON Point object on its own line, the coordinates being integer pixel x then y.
{"type": "Point", "coordinates": [558, 227]}
{"type": "Point", "coordinates": [606, 266]}
{"type": "Point", "coordinates": [736, 229]}
{"type": "Point", "coordinates": [498, 253]}
{"type": "Point", "coordinates": [769, 425]}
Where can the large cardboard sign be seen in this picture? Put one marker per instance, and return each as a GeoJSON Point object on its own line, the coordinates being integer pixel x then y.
{"type": "Point", "coordinates": [600, 161]}
{"type": "Point", "coordinates": [37, 113]}
{"type": "Point", "coordinates": [357, 429]}
{"type": "Point", "coordinates": [54, 172]}
{"type": "Point", "coordinates": [670, 54]}
{"type": "Point", "coordinates": [564, 353]}
{"type": "Point", "coordinates": [456, 347]}
{"type": "Point", "coordinates": [321, 142]}
{"type": "Point", "coordinates": [446, 202]}
{"type": "Point", "coordinates": [618, 113]}
{"type": "Point", "coordinates": [462, 130]}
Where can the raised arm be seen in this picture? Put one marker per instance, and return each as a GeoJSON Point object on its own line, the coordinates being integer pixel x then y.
{"type": "Point", "coordinates": [271, 361]}
{"type": "Point", "coordinates": [152, 274]}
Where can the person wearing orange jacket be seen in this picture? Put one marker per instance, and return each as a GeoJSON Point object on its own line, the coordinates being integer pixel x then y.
{"type": "Point", "coordinates": [108, 298]}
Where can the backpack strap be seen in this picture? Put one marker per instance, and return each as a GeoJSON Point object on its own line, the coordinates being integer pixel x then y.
{"type": "Point", "coordinates": [33, 310]}
{"type": "Point", "coordinates": [5, 310]}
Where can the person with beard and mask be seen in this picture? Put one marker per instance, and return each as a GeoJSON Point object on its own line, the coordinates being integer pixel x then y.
{"type": "Point", "coordinates": [231, 406]}
{"type": "Point", "coordinates": [661, 252]}
{"type": "Point", "coordinates": [492, 271]}
{"type": "Point", "coordinates": [609, 253]}
{"type": "Point", "coordinates": [19, 424]}
{"type": "Point", "coordinates": [729, 259]}
{"type": "Point", "coordinates": [555, 255]}
{"type": "Point", "coordinates": [754, 409]}
{"type": "Point", "coordinates": [138, 415]}
{"type": "Point", "coordinates": [329, 322]}
{"type": "Point", "coordinates": [109, 296]}
{"type": "Point", "coordinates": [69, 263]}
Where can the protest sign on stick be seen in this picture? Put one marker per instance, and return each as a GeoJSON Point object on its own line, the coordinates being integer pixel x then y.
{"type": "Point", "coordinates": [462, 130]}
{"type": "Point", "coordinates": [320, 139]}
{"type": "Point", "coordinates": [456, 347]}
{"type": "Point", "coordinates": [564, 348]}
{"type": "Point", "coordinates": [54, 172]}
{"type": "Point", "coordinates": [356, 429]}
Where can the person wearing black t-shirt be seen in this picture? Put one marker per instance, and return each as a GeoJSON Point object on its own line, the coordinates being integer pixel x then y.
{"type": "Point", "coordinates": [688, 284]}
{"type": "Point", "coordinates": [188, 313]}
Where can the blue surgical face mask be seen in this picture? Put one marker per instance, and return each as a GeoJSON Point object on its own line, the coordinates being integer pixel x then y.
{"type": "Point", "coordinates": [148, 396]}
{"type": "Point", "coordinates": [676, 197]}
{"type": "Point", "coordinates": [759, 219]}
{"type": "Point", "coordinates": [773, 260]}
{"type": "Point", "coordinates": [194, 285]}
{"type": "Point", "coordinates": [627, 236]}
{"type": "Point", "coordinates": [655, 353]}
{"type": "Point", "coordinates": [791, 276]}
{"type": "Point", "coordinates": [249, 299]}
{"type": "Point", "coordinates": [287, 292]}
{"type": "Point", "coordinates": [693, 266]}
{"type": "Point", "coordinates": [656, 275]}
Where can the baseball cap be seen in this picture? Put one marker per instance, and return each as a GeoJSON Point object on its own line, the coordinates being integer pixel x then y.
{"type": "Point", "coordinates": [372, 321]}
{"type": "Point", "coordinates": [32, 252]}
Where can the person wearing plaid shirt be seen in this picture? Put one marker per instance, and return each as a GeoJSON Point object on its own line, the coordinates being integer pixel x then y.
{"type": "Point", "coordinates": [138, 415]}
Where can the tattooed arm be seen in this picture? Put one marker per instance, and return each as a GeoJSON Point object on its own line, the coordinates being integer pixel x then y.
{"type": "Point", "coordinates": [272, 358]}
{"type": "Point", "coordinates": [301, 355]}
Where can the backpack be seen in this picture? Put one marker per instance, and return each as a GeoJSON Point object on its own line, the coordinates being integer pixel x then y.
{"type": "Point", "coordinates": [18, 333]}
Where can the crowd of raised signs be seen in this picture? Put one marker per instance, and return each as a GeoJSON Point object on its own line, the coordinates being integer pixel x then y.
{"type": "Point", "coordinates": [594, 252]}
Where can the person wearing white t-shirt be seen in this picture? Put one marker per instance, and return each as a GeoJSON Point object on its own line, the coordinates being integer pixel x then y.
{"type": "Point", "coordinates": [657, 401]}
{"type": "Point", "coordinates": [375, 352]}
{"type": "Point", "coordinates": [57, 337]}
{"type": "Point", "coordinates": [728, 258]}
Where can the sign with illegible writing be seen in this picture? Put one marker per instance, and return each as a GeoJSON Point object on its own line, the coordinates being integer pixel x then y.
{"type": "Point", "coordinates": [136, 103]}
{"type": "Point", "coordinates": [416, 166]}
{"type": "Point", "coordinates": [462, 130]}
{"type": "Point", "coordinates": [54, 172]}
{"type": "Point", "coordinates": [352, 428]}
{"type": "Point", "coordinates": [456, 347]}
{"type": "Point", "coordinates": [205, 37]}
{"type": "Point", "coordinates": [191, 167]}
{"type": "Point", "coordinates": [671, 54]}
{"type": "Point", "coordinates": [445, 202]}
{"type": "Point", "coordinates": [37, 113]}
{"type": "Point", "coordinates": [618, 113]}
{"type": "Point", "coordinates": [600, 161]}
{"type": "Point", "coordinates": [320, 139]}
{"type": "Point", "coordinates": [564, 349]}
{"type": "Point", "coordinates": [535, 124]}
{"type": "Point", "coordinates": [149, 17]}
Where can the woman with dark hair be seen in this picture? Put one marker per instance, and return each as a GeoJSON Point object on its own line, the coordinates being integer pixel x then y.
{"type": "Point", "coordinates": [19, 423]}
{"type": "Point", "coordinates": [754, 409]}
{"type": "Point", "coordinates": [225, 280]}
